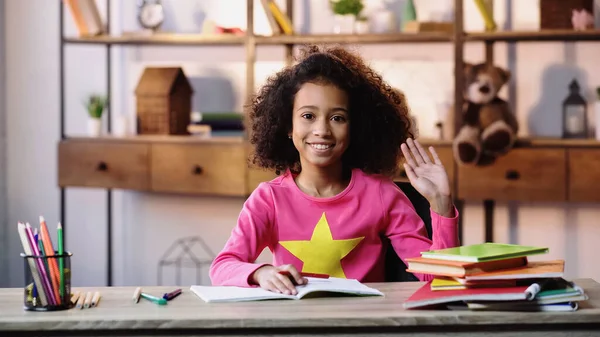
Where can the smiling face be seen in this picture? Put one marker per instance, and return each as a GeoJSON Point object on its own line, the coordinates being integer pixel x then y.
{"type": "Point", "coordinates": [320, 125]}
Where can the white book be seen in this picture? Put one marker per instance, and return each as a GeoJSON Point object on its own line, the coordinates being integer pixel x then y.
{"type": "Point", "coordinates": [314, 286]}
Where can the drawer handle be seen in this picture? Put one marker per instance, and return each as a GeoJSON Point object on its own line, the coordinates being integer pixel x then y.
{"type": "Point", "coordinates": [512, 175]}
{"type": "Point", "coordinates": [102, 166]}
{"type": "Point", "coordinates": [197, 170]}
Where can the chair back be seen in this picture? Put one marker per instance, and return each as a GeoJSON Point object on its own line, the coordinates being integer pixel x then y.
{"type": "Point", "coordinates": [395, 269]}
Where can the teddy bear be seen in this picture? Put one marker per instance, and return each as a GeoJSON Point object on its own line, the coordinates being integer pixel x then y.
{"type": "Point", "coordinates": [488, 127]}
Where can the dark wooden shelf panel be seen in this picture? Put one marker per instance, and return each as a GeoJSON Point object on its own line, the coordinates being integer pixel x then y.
{"type": "Point", "coordinates": [533, 36]}
{"type": "Point", "coordinates": [354, 38]}
{"type": "Point", "coordinates": [180, 139]}
{"type": "Point", "coordinates": [557, 142]}
{"type": "Point", "coordinates": [159, 39]}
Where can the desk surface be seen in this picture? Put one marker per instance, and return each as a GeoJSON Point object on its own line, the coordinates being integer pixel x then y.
{"type": "Point", "coordinates": [187, 313]}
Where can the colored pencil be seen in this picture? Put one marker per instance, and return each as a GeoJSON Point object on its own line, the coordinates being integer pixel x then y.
{"type": "Point", "coordinates": [44, 276]}
{"type": "Point", "coordinates": [34, 270]}
{"type": "Point", "coordinates": [52, 266]}
{"type": "Point", "coordinates": [95, 299]}
{"type": "Point", "coordinates": [35, 236]}
{"type": "Point", "coordinates": [88, 299]}
{"type": "Point", "coordinates": [61, 262]}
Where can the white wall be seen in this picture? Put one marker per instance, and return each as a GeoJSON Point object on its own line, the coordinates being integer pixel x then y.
{"type": "Point", "coordinates": [145, 225]}
{"type": "Point", "coordinates": [3, 215]}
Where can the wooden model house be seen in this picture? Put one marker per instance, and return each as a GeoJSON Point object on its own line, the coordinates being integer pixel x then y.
{"type": "Point", "coordinates": [163, 101]}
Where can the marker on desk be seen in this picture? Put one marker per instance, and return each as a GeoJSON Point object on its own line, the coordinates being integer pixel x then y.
{"type": "Point", "coordinates": [172, 295]}
{"type": "Point", "coordinates": [532, 291]}
{"type": "Point", "coordinates": [157, 300]}
{"type": "Point", "coordinates": [136, 294]}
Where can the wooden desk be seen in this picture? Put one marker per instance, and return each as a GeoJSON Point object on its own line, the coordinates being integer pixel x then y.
{"type": "Point", "coordinates": [187, 315]}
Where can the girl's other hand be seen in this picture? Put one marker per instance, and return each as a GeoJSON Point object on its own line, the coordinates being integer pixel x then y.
{"type": "Point", "coordinates": [274, 279]}
{"type": "Point", "coordinates": [428, 176]}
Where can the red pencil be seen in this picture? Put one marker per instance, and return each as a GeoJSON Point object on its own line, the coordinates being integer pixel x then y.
{"type": "Point", "coordinates": [315, 275]}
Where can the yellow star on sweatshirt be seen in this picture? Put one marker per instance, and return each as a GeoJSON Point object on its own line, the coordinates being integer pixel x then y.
{"type": "Point", "coordinates": [322, 254]}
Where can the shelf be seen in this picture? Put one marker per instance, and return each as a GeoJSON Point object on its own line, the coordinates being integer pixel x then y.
{"type": "Point", "coordinates": [354, 38]}
{"type": "Point", "coordinates": [520, 143]}
{"type": "Point", "coordinates": [434, 37]}
{"type": "Point", "coordinates": [557, 142]}
{"type": "Point", "coordinates": [161, 139]}
{"type": "Point", "coordinates": [533, 36]}
{"type": "Point", "coordinates": [159, 39]}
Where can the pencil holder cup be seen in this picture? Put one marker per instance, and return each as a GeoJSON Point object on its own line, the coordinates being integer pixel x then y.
{"type": "Point", "coordinates": [47, 282]}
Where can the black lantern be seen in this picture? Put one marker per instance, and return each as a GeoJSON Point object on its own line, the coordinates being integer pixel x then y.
{"type": "Point", "coordinates": [574, 113]}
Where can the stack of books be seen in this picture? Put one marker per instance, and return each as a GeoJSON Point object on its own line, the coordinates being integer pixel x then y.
{"type": "Point", "coordinates": [493, 276]}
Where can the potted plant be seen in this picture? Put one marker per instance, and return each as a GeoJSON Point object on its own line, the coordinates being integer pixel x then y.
{"type": "Point", "coordinates": [95, 105]}
{"type": "Point", "coordinates": [361, 26]}
{"type": "Point", "coordinates": [345, 14]}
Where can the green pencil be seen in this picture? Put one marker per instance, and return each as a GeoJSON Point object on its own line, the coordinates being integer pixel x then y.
{"type": "Point", "coordinates": [61, 264]}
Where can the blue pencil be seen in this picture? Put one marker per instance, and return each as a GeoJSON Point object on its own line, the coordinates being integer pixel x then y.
{"type": "Point", "coordinates": [35, 236]}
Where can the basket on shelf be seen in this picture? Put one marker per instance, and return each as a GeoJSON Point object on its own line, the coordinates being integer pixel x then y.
{"type": "Point", "coordinates": [556, 14]}
{"type": "Point", "coordinates": [163, 101]}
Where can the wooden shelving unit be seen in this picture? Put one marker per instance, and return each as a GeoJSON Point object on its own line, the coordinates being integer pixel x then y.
{"type": "Point", "coordinates": [159, 39]}
{"type": "Point", "coordinates": [535, 36]}
{"type": "Point", "coordinates": [506, 180]}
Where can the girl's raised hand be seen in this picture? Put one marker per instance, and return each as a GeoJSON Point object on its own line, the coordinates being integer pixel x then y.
{"type": "Point", "coordinates": [428, 176]}
{"type": "Point", "coordinates": [274, 279]}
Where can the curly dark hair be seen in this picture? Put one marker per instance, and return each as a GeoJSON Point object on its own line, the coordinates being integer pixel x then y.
{"type": "Point", "coordinates": [378, 114]}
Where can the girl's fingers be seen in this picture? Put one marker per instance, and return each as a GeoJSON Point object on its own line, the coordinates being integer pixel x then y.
{"type": "Point", "coordinates": [414, 151]}
{"type": "Point", "coordinates": [278, 285]}
{"type": "Point", "coordinates": [410, 173]}
{"type": "Point", "coordinates": [423, 153]}
{"type": "Point", "coordinates": [407, 155]}
{"type": "Point", "coordinates": [294, 273]}
{"type": "Point", "coordinates": [284, 284]}
{"type": "Point", "coordinates": [270, 286]}
{"type": "Point", "coordinates": [436, 158]}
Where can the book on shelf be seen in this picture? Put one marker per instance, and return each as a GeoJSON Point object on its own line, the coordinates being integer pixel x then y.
{"type": "Point", "coordinates": [283, 21]}
{"type": "Point", "coordinates": [315, 287]}
{"type": "Point", "coordinates": [275, 28]}
{"type": "Point", "coordinates": [86, 17]}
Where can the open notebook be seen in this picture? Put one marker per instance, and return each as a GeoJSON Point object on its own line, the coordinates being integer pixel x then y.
{"type": "Point", "coordinates": [315, 286]}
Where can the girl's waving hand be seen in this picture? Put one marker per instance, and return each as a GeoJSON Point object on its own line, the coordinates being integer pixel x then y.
{"type": "Point", "coordinates": [428, 176]}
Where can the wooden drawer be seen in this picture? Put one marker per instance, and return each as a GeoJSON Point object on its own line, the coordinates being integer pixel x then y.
{"type": "Point", "coordinates": [107, 165]}
{"type": "Point", "coordinates": [213, 169]}
{"type": "Point", "coordinates": [447, 158]}
{"type": "Point", "coordinates": [520, 175]}
{"type": "Point", "coordinates": [584, 175]}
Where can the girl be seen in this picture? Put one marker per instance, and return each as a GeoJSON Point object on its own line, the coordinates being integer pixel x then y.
{"type": "Point", "coordinates": [336, 132]}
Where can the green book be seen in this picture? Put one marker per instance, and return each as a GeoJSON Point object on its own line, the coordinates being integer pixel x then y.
{"type": "Point", "coordinates": [481, 252]}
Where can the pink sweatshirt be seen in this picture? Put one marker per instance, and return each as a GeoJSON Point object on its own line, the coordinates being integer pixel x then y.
{"type": "Point", "coordinates": [339, 236]}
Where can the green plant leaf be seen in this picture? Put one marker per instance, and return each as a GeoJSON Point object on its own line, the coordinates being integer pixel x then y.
{"type": "Point", "coordinates": [95, 105]}
{"type": "Point", "coordinates": [345, 7]}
